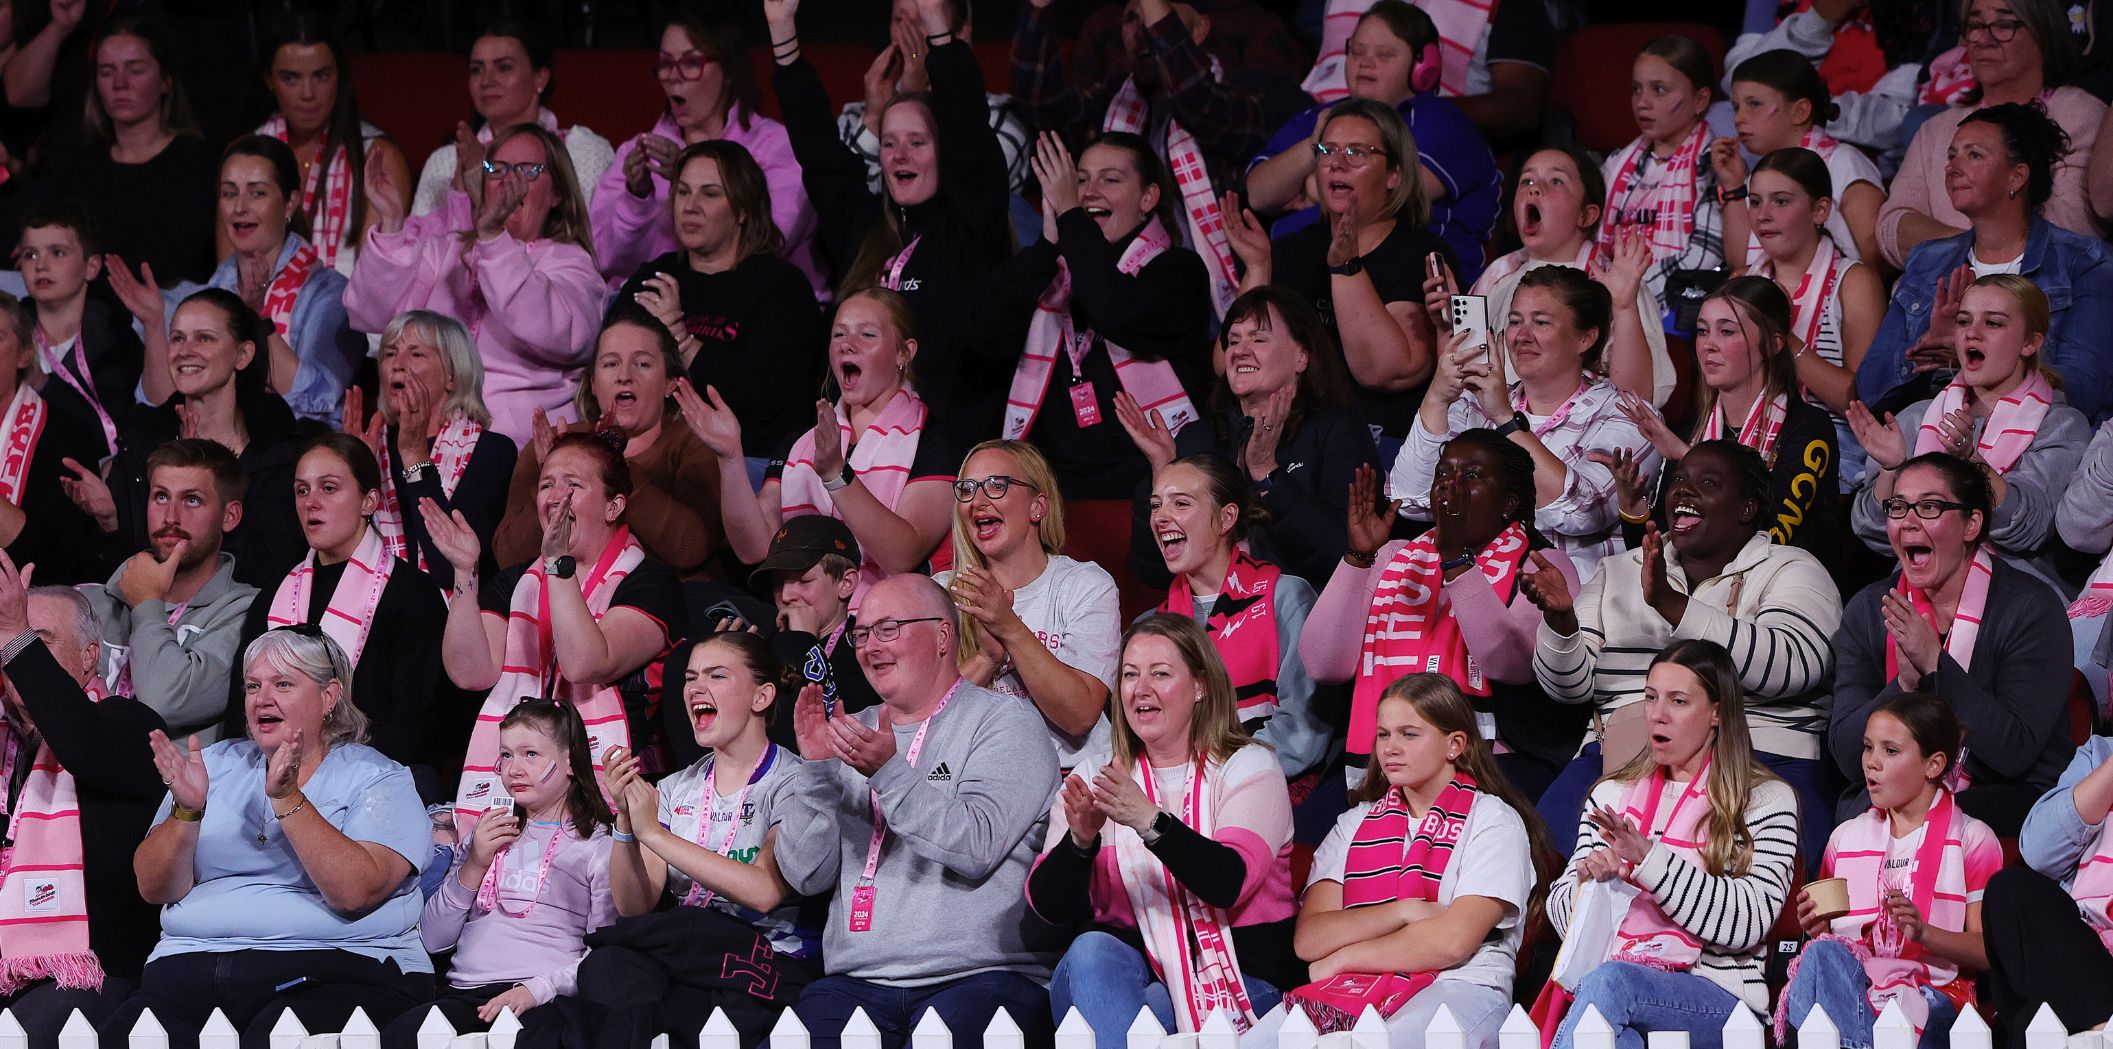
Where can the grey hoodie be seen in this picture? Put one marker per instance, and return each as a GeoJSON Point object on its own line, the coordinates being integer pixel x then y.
{"type": "Point", "coordinates": [181, 665]}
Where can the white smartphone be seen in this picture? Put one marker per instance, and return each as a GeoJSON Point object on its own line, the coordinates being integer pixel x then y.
{"type": "Point", "coordinates": [1471, 314]}
{"type": "Point", "coordinates": [503, 805]}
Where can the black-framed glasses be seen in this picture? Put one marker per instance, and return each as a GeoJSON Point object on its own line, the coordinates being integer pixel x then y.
{"type": "Point", "coordinates": [884, 631]}
{"type": "Point", "coordinates": [688, 67]}
{"type": "Point", "coordinates": [1355, 155]}
{"type": "Point", "coordinates": [1897, 508]}
{"type": "Point", "coordinates": [2002, 32]}
{"type": "Point", "coordinates": [995, 486]}
{"type": "Point", "coordinates": [526, 170]}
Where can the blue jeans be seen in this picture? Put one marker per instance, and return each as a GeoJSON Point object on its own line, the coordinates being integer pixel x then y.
{"type": "Point", "coordinates": [967, 1005]}
{"type": "Point", "coordinates": [1108, 980]}
{"type": "Point", "coordinates": [1637, 999]}
{"type": "Point", "coordinates": [2084, 632]}
{"type": "Point", "coordinates": [1830, 977]}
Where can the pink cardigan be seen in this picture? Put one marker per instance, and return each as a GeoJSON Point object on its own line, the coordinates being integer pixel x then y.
{"type": "Point", "coordinates": [1919, 187]}
{"type": "Point", "coordinates": [534, 309]}
{"type": "Point", "coordinates": [1501, 637]}
{"type": "Point", "coordinates": [632, 231]}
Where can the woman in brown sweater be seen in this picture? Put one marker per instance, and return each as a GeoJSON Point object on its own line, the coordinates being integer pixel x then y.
{"type": "Point", "coordinates": [674, 504]}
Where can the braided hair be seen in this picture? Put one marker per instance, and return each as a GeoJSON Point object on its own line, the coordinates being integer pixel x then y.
{"type": "Point", "coordinates": [1517, 464]}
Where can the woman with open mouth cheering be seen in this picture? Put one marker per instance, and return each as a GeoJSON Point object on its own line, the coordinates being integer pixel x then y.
{"type": "Point", "coordinates": [1451, 601]}
{"type": "Point", "coordinates": [1713, 574]}
{"type": "Point", "coordinates": [1960, 622]}
{"type": "Point", "coordinates": [2002, 413]}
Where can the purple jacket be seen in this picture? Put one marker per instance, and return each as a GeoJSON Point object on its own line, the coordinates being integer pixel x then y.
{"type": "Point", "coordinates": [534, 309]}
{"type": "Point", "coordinates": [631, 231]}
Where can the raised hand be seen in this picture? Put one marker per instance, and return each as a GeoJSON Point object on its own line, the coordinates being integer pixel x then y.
{"type": "Point", "coordinates": [828, 441]}
{"type": "Point", "coordinates": [182, 768]}
{"type": "Point", "coordinates": [908, 37]}
{"type": "Point", "coordinates": [1936, 348]}
{"type": "Point", "coordinates": [88, 491]}
{"type": "Point", "coordinates": [1956, 430]}
{"type": "Point", "coordinates": [282, 771]}
{"type": "Point", "coordinates": [469, 162]}
{"type": "Point", "coordinates": [1725, 161]}
{"type": "Point", "coordinates": [709, 418]}
{"type": "Point", "coordinates": [1259, 455]}
{"type": "Point", "coordinates": [810, 725]}
{"type": "Point", "coordinates": [1369, 528]}
{"type": "Point", "coordinates": [141, 296]}
{"type": "Point", "coordinates": [1119, 798]}
{"type": "Point", "coordinates": [1080, 813]}
{"type": "Point", "coordinates": [1884, 442]}
{"type": "Point", "coordinates": [14, 596]}
{"type": "Point", "coordinates": [1249, 240]}
{"type": "Point", "coordinates": [452, 536]}
{"type": "Point", "coordinates": [1631, 261]}
{"type": "Point", "coordinates": [1658, 591]}
{"type": "Point", "coordinates": [1627, 843]}
{"type": "Point", "coordinates": [66, 14]}
{"type": "Point", "coordinates": [497, 208]}
{"type": "Point", "coordinates": [862, 748]}
{"type": "Point", "coordinates": [880, 80]}
{"type": "Point", "coordinates": [1148, 430]}
{"type": "Point", "coordinates": [1632, 490]}
{"type": "Point", "coordinates": [558, 532]}
{"type": "Point", "coordinates": [1439, 287]}
{"type": "Point", "coordinates": [781, 16]}
{"type": "Point", "coordinates": [1057, 173]}
{"type": "Point", "coordinates": [1550, 592]}
{"type": "Point", "coordinates": [1342, 245]}
{"type": "Point", "coordinates": [1652, 425]}
{"type": "Point", "coordinates": [541, 434]}
{"type": "Point", "coordinates": [662, 297]}
{"type": "Point", "coordinates": [384, 197]}
{"type": "Point", "coordinates": [978, 595]}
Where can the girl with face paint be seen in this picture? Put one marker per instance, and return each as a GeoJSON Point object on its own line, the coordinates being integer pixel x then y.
{"type": "Point", "coordinates": [530, 883]}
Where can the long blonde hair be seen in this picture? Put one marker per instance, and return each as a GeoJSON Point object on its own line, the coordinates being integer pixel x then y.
{"type": "Point", "coordinates": [1214, 730]}
{"type": "Point", "coordinates": [1049, 530]}
{"type": "Point", "coordinates": [1734, 772]}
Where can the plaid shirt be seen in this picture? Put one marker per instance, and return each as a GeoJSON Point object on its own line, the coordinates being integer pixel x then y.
{"type": "Point", "coordinates": [1227, 119]}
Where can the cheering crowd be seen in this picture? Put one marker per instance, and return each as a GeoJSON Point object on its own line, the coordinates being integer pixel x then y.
{"type": "Point", "coordinates": [1494, 573]}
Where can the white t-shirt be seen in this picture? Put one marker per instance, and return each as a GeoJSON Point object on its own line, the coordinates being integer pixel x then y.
{"type": "Point", "coordinates": [1073, 607]}
{"type": "Point", "coordinates": [1987, 269]}
{"type": "Point", "coordinates": [1494, 859]}
{"type": "Point", "coordinates": [683, 805]}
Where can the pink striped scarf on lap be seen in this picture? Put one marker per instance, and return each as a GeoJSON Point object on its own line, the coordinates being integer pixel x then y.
{"type": "Point", "coordinates": [1053, 330]}
{"type": "Point", "coordinates": [43, 889]}
{"type": "Point", "coordinates": [1199, 201]}
{"type": "Point", "coordinates": [881, 458]}
{"type": "Point", "coordinates": [1648, 936]}
{"type": "Point", "coordinates": [2011, 423]}
{"type": "Point", "coordinates": [531, 671]}
{"type": "Point", "coordinates": [350, 615]}
{"type": "Point", "coordinates": [1188, 941]}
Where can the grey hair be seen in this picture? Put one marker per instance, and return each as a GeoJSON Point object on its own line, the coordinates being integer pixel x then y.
{"type": "Point", "coordinates": [87, 626]}
{"type": "Point", "coordinates": [319, 659]}
{"type": "Point", "coordinates": [458, 354]}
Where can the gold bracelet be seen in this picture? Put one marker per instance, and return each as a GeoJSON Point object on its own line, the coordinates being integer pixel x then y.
{"type": "Point", "coordinates": [295, 811]}
{"type": "Point", "coordinates": [178, 812]}
{"type": "Point", "coordinates": [1644, 519]}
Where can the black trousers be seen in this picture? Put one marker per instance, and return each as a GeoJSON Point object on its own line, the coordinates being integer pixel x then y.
{"type": "Point", "coordinates": [43, 1007]}
{"type": "Point", "coordinates": [664, 973]}
{"type": "Point", "coordinates": [2041, 952]}
{"type": "Point", "coordinates": [255, 987]}
{"type": "Point", "coordinates": [459, 1005]}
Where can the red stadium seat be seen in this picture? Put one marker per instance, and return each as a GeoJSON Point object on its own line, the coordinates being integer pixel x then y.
{"type": "Point", "coordinates": [1590, 81]}
{"type": "Point", "coordinates": [1099, 530]}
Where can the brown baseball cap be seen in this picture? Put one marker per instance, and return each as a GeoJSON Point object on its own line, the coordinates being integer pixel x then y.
{"type": "Point", "coordinates": [803, 541]}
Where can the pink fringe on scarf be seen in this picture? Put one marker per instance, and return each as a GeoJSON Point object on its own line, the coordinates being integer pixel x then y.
{"type": "Point", "coordinates": [1861, 950]}
{"type": "Point", "coordinates": [76, 972]}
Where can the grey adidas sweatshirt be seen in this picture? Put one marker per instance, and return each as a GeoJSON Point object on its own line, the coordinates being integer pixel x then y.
{"type": "Point", "coordinates": [964, 827]}
{"type": "Point", "coordinates": [180, 664]}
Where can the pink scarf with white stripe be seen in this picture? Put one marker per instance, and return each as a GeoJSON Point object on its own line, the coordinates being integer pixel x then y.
{"type": "Point", "coordinates": [327, 195]}
{"type": "Point", "coordinates": [1821, 282]}
{"type": "Point", "coordinates": [2010, 427]}
{"type": "Point", "coordinates": [1666, 206]}
{"type": "Point", "coordinates": [350, 615]}
{"type": "Point", "coordinates": [531, 670]}
{"type": "Point", "coordinates": [1647, 935]}
{"type": "Point", "coordinates": [880, 457]}
{"type": "Point", "coordinates": [1053, 330]}
{"type": "Point", "coordinates": [1188, 942]}
{"type": "Point", "coordinates": [26, 416]}
{"type": "Point", "coordinates": [1199, 201]}
{"type": "Point", "coordinates": [1959, 644]}
{"type": "Point", "coordinates": [1763, 425]}
{"type": "Point", "coordinates": [451, 456]}
{"type": "Point", "coordinates": [43, 890]}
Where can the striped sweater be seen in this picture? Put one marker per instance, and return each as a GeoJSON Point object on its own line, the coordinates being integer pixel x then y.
{"type": "Point", "coordinates": [1774, 608]}
{"type": "Point", "coordinates": [1731, 916]}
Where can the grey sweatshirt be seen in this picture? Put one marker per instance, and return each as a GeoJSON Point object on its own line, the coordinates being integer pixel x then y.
{"type": "Point", "coordinates": [963, 828]}
{"type": "Point", "coordinates": [180, 669]}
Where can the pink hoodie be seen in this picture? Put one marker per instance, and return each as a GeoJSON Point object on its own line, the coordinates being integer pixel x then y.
{"type": "Point", "coordinates": [533, 308]}
{"type": "Point", "coordinates": [632, 231]}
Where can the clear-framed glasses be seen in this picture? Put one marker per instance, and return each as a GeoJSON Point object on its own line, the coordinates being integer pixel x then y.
{"type": "Point", "coordinates": [1927, 509]}
{"type": "Point", "coordinates": [884, 631]}
{"type": "Point", "coordinates": [1355, 156]}
{"type": "Point", "coordinates": [526, 170]}
{"type": "Point", "coordinates": [995, 486]}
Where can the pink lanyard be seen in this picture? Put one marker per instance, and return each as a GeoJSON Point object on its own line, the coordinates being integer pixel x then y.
{"type": "Point", "coordinates": [699, 896]}
{"type": "Point", "coordinates": [896, 264]}
{"type": "Point", "coordinates": [488, 893]}
{"type": "Point", "coordinates": [1518, 403]}
{"type": "Point", "coordinates": [80, 357]}
{"type": "Point", "coordinates": [880, 823]}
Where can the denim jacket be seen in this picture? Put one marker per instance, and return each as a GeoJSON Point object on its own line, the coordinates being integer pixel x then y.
{"type": "Point", "coordinates": [2075, 271]}
{"type": "Point", "coordinates": [330, 351]}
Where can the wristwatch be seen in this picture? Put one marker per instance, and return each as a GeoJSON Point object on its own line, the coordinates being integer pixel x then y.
{"type": "Point", "coordinates": [1355, 266]}
{"type": "Point", "coordinates": [560, 567]}
{"type": "Point", "coordinates": [1731, 194]}
{"type": "Point", "coordinates": [1158, 828]}
{"type": "Point", "coordinates": [840, 482]}
{"type": "Point", "coordinates": [1461, 561]}
{"type": "Point", "coordinates": [1516, 424]}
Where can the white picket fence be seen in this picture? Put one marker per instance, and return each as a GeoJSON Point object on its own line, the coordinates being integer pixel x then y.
{"type": "Point", "coordinates": [1742, 1031]}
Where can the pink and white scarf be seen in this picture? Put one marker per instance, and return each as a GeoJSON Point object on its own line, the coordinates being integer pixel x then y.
{"type": "Point", "coordinates": [531, 670]}
{"type": "Point", "coordinates": [1461, 26]}
{"type": "Point", "coordinates": [1411, 629]}
{"type": "Point", "coordinates": [286, 285]}
{"type": "Point", "coordinates": [2011, 424]}
{"type": "Point", "coordinates": [1648, 936]}
{"type": "Point", "coordinates": [1053, 329]}
{"type": "Point", "coordinates": [1199, 202]}
{"type": "Point", "coordinates": [881, 458]}
{"type": "Point", "coordinates": [1666, 204]}
{"type": "Point", "coordinates": [327, 195]}
{"type": "Point", "coordinates": [1942, 879]}
{"type": "Point", "coordinates": [1386, 863]}
{"type": "Point", "coordinates": [349, 618]}
{"type": "Point", "coordinates": [1816, 289]}
{"type": "Point", "coordinates": [1959, 644]}
{"type": "Point", "coordinates": [1763, 425]}
{"type": "Point", "coordinates": [452, 449]}
{"type": "Point", "coordinates": [26, 417]}
{"type": "Point", "coordinates": [1188, 941]}
{"type": "Point", "coordinates": [43, 887]}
